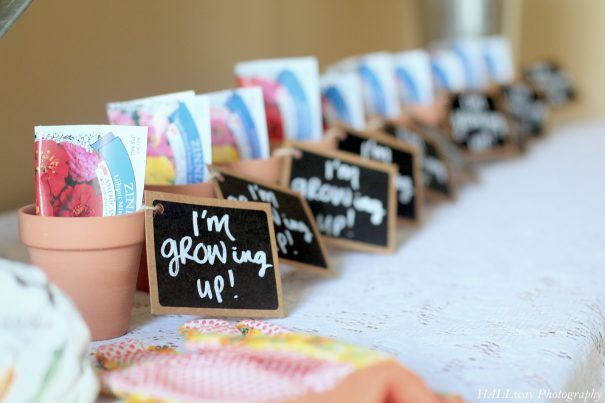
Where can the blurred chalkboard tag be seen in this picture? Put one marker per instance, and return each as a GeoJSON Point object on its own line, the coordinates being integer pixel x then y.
{"type": "Point", "coordinates": [526, 106]}
{"type": "Point", "coordinates": [552, 81]}
{"type": "Point", "coordinates": [353, 200]}
{"type": "Point", "coordinates": [437, 173]}
{"type": "Point", "coordinates": [298, 240]}
{"type": "Point", "coordinates": [211, 257]}
{"type": "Point", "coordinates": [406, 157]}
{"type": "Point", "coordinates": [478, 125]}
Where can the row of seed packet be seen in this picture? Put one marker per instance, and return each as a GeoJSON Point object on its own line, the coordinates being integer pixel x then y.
{"type": "Point", "coordinates": [178, 137]}
{"type": "Point", "coordinates": [472, 63]}
{"type": "Point", "coordinates": [186, 132]}
{"type": "Point", "coordinates": [89, 170]}
{"type": "Point", "coordinates": [291, 94]}
{"type": "Point", "coordinates": [342, 99]}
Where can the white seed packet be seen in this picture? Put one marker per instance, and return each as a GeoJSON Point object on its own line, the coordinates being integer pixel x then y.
{"type": "Point", "coordinates": [179, 138]}
{"type": "Point", "coordinates": [448, 71]}
{"type": "Point", "coordinates": [239, 126]}
{"type": "Point", "coordinates": [291, 94]}
{"type": "Point", "coordinates": [498, 55]}
{"type": "Point", "coordinates": [470, 51]}
{"type": "Point", "coordinates": [342, 99]}
{"type": "Point", "coordinates": [379, 88]}
{"type": "Point", "coordinates": [414, 77]}
{"type": "Point", "coordinates": [89, 170]}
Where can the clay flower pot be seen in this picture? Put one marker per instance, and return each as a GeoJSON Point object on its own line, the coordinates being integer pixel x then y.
{"type": "Point", "coordinates": [94, 260]}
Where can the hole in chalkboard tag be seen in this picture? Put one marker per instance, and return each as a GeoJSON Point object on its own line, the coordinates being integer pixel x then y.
{"type": "Point", "coordinates": [217, 175]}
{"type": "Point", "coordinates": [158, 209]}
{"type": "Point", "coordinates": [285, 151]}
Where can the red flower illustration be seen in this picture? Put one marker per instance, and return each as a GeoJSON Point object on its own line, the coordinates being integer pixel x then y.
{"type": "Point", "coordinates": [80, 201]}
{"type": "Point", "coordinates": [51, 168]}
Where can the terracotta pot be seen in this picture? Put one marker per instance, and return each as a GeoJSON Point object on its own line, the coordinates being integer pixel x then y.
{"type": "Point", "coordinates": [94, 260]}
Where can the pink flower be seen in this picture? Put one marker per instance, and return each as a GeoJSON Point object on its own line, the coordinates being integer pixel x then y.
{"type": "Point", "coordinates": [82, 164]}
{"type": "Point", "coordinates": [157, 126]}
{"type": "Point", "coordinates": [119, 117]}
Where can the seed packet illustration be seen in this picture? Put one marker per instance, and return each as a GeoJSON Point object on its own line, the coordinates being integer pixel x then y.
{"type": "Point", "coordinates": [448, 71]}
{"type": "Point", "coordinates": [414, 77]}
{"type": "Point", "coordinates": [379, 88]}
{"type": "Point", "coordinates": [89, 170]}
{"type": "Point", "coordinates": [342, 100]}
{"type": "Point", "coordinates": [470, 52]}
{"type": "Point", "coordinates": [291, 94]}
{"type": "Point", "coordinates": [239, 128]}
{"type": "Point", "coordinates": [179, 139]}
{"type": "Point", "coordinates": [498, 55]}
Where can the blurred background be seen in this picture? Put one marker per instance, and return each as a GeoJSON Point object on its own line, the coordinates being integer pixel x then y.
{"type": "Point", "coordinates": [64, 59]}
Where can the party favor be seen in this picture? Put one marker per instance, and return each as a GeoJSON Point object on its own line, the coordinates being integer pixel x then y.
{"type": "Point", "coordinates": [342, 100]}
{"type": "Point", "coordinates": [498, 55]}
{"type": "Point", "coordinates": [83, 171]}
{"type": "Point", "coordinates": [414, 77]}
{"type": "Point", "coordinates": [470, 52]}
{"type": "Point", "coordinates": [291, 92]}
{"type": "Point", "coordinates": [448, 71]}
{"type": "Point", "coordinates": [239, 128]}
{"type": "Point", "coordinates": [179, 145]}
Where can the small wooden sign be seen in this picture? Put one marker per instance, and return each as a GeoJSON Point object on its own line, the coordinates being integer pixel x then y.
{"type": "Point", "coordinates": [479, 126]}
{"type": "Point", "coordinates": [353, 200]}
{"type": "Point", "coordinates": [463, 170]}
{"type": "Point", "coordinates": [298, 241]}
{"type": "Point", "coordinates": [406, 157]}
{"type": "Point", "coordinates": [549, 79]}
{"type": "Point", "coordinates": [211, 257]}
{"type": "Point", "coordinates": [436, 170]}
{"type": "Point", "coordinates": [526, 106]}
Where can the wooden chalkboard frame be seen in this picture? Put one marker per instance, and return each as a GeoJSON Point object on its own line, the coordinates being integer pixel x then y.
{"type": "Point", "coordinates": [392, 142]}
{"type": "Point", "coordinates": [508, 150]}
{"type": "Point", "coordinates": [389, 169]}
{"type": "Point", "coordinates": [430, 194]}
{"type": "Point", "coordinates": [546, 125]}
{"type": "Point", "coordinates": [328, 270]}
{"type": "Point", "coordinates": [157, 308]}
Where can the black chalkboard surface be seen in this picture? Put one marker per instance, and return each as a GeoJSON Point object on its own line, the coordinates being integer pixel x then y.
{"type": "Point", "coordinates": [298, 240]}
{"type": "Point", "coordinates": [477, 124]}
{"type": "Point", "coordinates": [436, 171]}
{"type": "Point", "coordinates": [526, 106]}
{"type": "Point", "coordinates": [552, 81]}
{"type": "Point", "coordinates": [211, 257]}
{"type": "Point", "coordinates": [381, 148]}
{"type": "Point", "coordinates": [353, 200]}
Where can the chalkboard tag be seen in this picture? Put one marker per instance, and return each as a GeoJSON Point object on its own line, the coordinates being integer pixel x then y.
{"type": "Point", "coordinates": [211, 257]}
{"type": "Point", "coordinates": [478, 125]}
{"type": "Point", "coordinates": [463, 170]}
{"type": "Point", "coordinates": [298, 240]}
{"type": "Point", "coordinates": [552, 81]}
{"type": "Point", "coordinates": [406, 157]}
{"type": "Point", "coordinates": [437, 173]}
{"type": "Point", "coordinates": [526, 106]}
{"type": "Point", "coordinates": [353, 200]}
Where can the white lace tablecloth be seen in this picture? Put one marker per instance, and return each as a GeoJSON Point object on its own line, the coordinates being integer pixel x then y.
{"type": "Point", "coordinates": [501, 292]}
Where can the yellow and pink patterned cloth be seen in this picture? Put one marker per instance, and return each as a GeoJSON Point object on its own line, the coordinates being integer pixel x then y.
{"type": "Point", "coordinates": [250, 361]}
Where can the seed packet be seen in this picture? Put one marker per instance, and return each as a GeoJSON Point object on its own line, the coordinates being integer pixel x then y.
{"type": "Point", "coordinates": [291, 93]}
{"type": "Point", "coordinates": [379, 88]}
{"type": "Point", "coordinates": [179, 145]}
{"type": "Point", "coordinates": [414, 77]}
{"type": "Point", "coordinates": [89, 170]}
{"type": "Point", "coordinates": [470, 52]}
{"type": "Point", "coordinates": [498, 55]}
{"type": "Point", "coordinates": [448, 71]}
{"type": "Point", "coordinates": [342, 100]}
{"type": "Point", "coordinates": [239, 128]}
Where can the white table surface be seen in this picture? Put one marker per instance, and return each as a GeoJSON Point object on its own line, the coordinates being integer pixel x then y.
{"type": "Point", "coordinates": [503, 289]}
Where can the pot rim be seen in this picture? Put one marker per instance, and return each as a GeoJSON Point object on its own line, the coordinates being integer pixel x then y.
{"type": "Point", "coordinates": [80, 233]}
